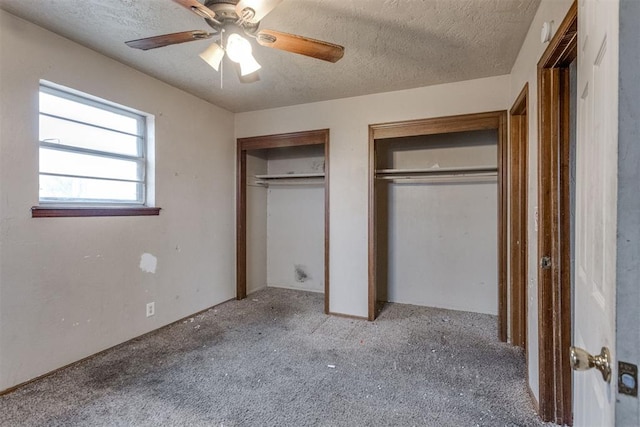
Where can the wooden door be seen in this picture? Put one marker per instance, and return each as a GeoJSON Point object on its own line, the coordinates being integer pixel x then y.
{"type": "Point", "coordinates": [518, 187]}
{"type": "Point", "coordinates": [596, 200]}
{"type": "Point", "coordinates": [554, 242]}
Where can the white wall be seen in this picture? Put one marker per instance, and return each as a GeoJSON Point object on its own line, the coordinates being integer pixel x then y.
{"type": "Point", "coordinates": [525, 71]}
{"type": "Point", "coordinates": [443, 246]}
{"type": "Point", "coordinates": [295, 224]}
{"type": "Point", "coordinates": [285, 220]}
{"type": "Point", "coordinates": [70, 287]}
{"type": "Point", "coordinates": [348, 120]}
{"type": "Point", "coordinates": [256, 222]}
{"type": "Point", "coordinates": [295, 243]}
{"type": "Point", "coordinates": [102, 303]}
{"type": "Point", "coordinates": [442, 235]}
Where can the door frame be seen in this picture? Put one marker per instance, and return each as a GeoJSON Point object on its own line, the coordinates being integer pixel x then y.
{"type": "Point", "coordinates": [518, 219]}
{"type": "Point", "coordinates": [293, 139]}
{"type": "Point", "coordinates": [554, 283]}
{"type": "Point", "coordinates": [439, 125]}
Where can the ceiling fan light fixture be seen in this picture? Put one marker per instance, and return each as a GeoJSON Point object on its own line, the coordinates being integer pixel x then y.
{"type": "Point", "coordinates": [213, 56]}
{"type": "Point", "coordinates": [239, 18]}
{"type": "Point", "coordinates": [249, 66]}
{"type": "Point", "coordinates": [239, 51]}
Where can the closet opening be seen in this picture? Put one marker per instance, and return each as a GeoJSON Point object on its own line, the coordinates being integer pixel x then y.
{"type": "Point", "coordinates": [436, 229]}
{"type": "Point", "coordinates": [283, 213]}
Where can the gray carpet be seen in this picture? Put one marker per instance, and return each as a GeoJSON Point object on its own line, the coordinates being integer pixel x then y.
{"type": "Point", "coordinates": [275, 360]}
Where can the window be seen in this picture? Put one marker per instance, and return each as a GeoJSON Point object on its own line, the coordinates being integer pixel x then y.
{"type": "Point", "coordinates": [92, 152]}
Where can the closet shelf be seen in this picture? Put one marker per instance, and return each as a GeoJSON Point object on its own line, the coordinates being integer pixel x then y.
{"type": "Point", "coordinates": [290, 176]}
{"type": "Point", "coordinates": [289, 179]}
{"type": "Point", "coordinates": [485, 177]}
{"type": "Point", "coordinates": [437, 171]}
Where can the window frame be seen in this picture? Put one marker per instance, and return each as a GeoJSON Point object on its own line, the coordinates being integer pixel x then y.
{"type": "Point", "coordinates": [57, 207]}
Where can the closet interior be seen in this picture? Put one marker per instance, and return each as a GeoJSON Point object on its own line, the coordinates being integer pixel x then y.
{"type": "Point", "coordinates": [436, 220]}
{"type": "Point", "coordinates": [283, 213]}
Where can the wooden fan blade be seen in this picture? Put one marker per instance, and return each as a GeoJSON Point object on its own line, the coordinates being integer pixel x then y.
{"type": "Point", "coordinates": [301, 45]}
{"type": "Point", "coordinates": [169, 39]}
{"type": "Point", "coordinates": [197, 8]}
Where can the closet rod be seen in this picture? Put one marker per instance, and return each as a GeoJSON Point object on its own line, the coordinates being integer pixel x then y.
{"type": "Point", "coordinates": [291, 176]}
{"type": "Point", "coordinates": [468, 177]}
{"type": "Point", "coordinates": [293, 182]}
{"type": "Point", "coordinates": [437, 171]}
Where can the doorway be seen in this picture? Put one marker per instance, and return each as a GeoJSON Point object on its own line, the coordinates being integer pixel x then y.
{"type": "Point", "coordinates": [518, 217]}
{"type": "Point", "coordinates": [402, 133]}
{"type": "Point", "coordinates": [293, 212]}
{"type": "Point", "coordinates": [554, 232]}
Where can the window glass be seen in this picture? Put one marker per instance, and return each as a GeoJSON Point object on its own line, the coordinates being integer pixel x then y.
{"type": "Point", "coordinates": [87, 165]}
{"type": "Point", "coordinates": [91, 151]}
{"type": "Point", "coordinates": [61, 188]}
{"type": "Point", "coordinates": [76, 110]}
{"type": "Point", "coordinates": [57, 131]}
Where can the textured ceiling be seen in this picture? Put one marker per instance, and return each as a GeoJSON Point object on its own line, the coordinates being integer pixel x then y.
{"type": "Point", "coordinates": [389, 44]}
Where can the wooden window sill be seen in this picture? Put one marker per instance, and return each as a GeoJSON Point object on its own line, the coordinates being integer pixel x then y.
{"type": "Point", "coordinates": [61, 211]}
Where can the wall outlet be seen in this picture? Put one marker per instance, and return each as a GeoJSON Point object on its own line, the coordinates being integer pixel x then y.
{"type": "Point", "coordinates": [151, 309]}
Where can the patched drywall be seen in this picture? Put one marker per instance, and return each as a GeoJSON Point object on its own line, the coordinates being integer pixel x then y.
{"type": "Point", "coordinates": [148, 263]}
{"type": "Point", "coordinates": [70, 287]}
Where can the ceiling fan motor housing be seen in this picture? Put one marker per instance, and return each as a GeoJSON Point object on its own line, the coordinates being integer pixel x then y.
{"type": "Point", "coordinates": [225, 11]}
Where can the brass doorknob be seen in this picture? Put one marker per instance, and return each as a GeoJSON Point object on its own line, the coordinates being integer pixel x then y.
{"type": "Point", "coordinates": [581, 360]}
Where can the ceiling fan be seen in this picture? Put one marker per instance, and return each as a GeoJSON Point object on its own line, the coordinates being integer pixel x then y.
{"type": "Point", "coordinates": [232, 22]}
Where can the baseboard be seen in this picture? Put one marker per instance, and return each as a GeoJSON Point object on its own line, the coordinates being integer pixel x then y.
{"type": "Point", "coordinates": [534, 400]}
{"type": "Point", "coordinates": [253, 291]}
{"type": "Point", "coordinates": [348, 316]}
{"type": "Point", "coordinates": [315, 291]}
{"type": "Point", "coordinates": [39, 377]}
